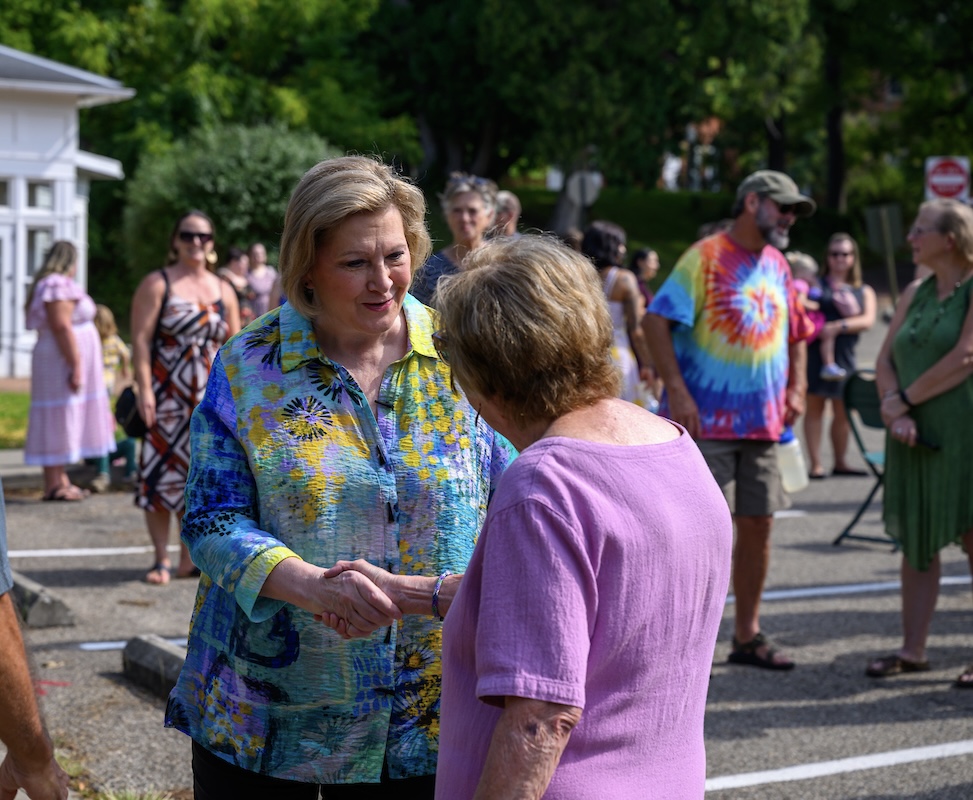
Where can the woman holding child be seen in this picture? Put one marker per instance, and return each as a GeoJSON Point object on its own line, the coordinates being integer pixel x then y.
{"type": "Point", "coordinates": [848, 306]}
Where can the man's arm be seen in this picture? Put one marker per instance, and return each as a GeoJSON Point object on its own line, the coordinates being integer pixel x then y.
{"type": "Point", "coordinates": [526, 747]}
{"type": "Point", "coordinates": [796, 381]}
{"type": "Point", "coordinates": [682, 407]}
{"type": "Point", "coordinates": [30, 763]}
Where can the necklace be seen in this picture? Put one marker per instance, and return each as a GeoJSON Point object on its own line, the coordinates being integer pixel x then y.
{"type": "Point", "coordinates": [921, 313]}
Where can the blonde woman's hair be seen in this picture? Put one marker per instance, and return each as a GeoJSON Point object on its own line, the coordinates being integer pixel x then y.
{"type": "Point", "coordinates": [955, 219]}
{"type": "Point", "coordinates": [105, 322]}
{"type": "Point", "coordinates": [855, 275]}
{"type": "Point", "coordinates": [526, 322]}
{"type": "Point", "coordinates": [325, 197]}
{"type": "Point", "coordinates": [57, 261]}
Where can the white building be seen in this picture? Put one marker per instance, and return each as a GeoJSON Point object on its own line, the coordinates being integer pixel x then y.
{"type": "Point", "coordinates": [44, 180]}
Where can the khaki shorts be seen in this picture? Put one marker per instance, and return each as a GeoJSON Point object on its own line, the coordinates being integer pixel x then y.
{"type": "Point", "coordinates": [746, 471]}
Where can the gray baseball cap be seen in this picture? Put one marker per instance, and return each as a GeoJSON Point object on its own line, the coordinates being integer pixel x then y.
{"type": "Point", "coordinates": [779, 188]}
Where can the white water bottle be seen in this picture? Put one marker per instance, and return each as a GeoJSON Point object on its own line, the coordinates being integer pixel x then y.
{"type": "Point", "coordinates": [790, 461]}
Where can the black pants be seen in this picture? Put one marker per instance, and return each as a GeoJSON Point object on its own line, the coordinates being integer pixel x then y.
{"type": "Point", "coordinates": [216, 779]}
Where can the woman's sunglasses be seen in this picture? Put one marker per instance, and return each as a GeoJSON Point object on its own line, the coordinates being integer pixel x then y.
{"type": "Point", "coordinates": [441, 343]}
{"type": "Point", "coordinates": [189, 236]}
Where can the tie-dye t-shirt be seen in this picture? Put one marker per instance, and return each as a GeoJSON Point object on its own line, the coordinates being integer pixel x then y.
{"type": "Point", "coordinates": [288, 459]}
{"type": "Point", "coordinates": [735, 312]}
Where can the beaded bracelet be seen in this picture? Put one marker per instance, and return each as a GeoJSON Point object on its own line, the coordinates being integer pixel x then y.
{"type": "Point", "coordinates": [435, 594]}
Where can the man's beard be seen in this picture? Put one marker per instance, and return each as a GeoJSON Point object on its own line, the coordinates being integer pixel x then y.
{"type": "Point", "coordinates": [771, 233]}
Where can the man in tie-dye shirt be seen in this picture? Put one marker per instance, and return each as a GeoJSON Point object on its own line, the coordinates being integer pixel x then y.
{"type": "Point", "coordinates": [728, 336]}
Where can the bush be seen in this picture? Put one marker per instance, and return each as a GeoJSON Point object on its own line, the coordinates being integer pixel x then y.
{"type": "Point", "coordinates": [240, 176]}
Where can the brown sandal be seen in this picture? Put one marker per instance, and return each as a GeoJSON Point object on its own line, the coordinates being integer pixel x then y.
{"type": "Point", "coordinates": [746, 653]}
{"type": "Point", "coordinates": [894, 665]}
{"type": "Point", "coordinates": [965, 679]}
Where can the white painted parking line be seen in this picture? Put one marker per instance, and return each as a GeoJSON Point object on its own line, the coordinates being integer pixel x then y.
{"type": "Point", "coordinates": [80, 552]}
{"type": "Point", "coordinates": [855, 764]}
{"type": "Point", "coordinates": [848, 588]}
{"type": "Point", "coordinates": [181, 641]}
{"type": "Point", "coordinates": [788, 513]}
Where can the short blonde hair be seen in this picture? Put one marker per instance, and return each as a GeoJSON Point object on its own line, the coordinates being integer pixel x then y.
{"type": "Point", "coordinates": [325, 197]}
{"type": "Point", "coordinates": [526, 322]}
{"type": "Point", "coordinates": [955, 219]}
{"type": "Point", "coordinates": [105, 321]}
{"type": "Point", "coordinates": [855, 275]}
{"type": "Point", "coordinates": [801, 262]}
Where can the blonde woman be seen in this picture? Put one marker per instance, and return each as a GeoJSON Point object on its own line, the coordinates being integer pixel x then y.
{"type": "Point", "coordinates": [469, 204]}
{"type": "Point", "coordinates": [69, 414]}
{"type": "Point", "coordinates": [181, 314]}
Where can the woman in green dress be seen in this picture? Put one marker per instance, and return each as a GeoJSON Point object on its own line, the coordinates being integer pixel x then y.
{"type": "Point", "coordinates": [924, 374]}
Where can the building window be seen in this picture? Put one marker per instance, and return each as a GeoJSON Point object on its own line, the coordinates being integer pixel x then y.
{"type": "Point", "coordinates": [39, 241]}
{"type": "Point", "coordinates": [4, 192]}
{"type": "Point", "coordinates": [40, 195]}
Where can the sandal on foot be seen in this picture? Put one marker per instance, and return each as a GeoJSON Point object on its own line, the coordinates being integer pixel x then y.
{"type": "Point", "coordinates": [65, 494]}
{"type": "Point", "coordinates": [965, 679]}
{"type": "Point", "coordinates": [894, 665]}
{"type": "Point", "coordinates": [165, 573]}
{"type": "Point", "coordinates": [746, 653]}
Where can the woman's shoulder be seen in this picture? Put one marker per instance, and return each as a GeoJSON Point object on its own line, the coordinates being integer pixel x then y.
{"type": "Point", "coordinates": [55, 286]}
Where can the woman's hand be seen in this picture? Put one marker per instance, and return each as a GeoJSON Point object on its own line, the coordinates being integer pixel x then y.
{"type": "Point", "coordinates": [146, 406]}
{"type": "Point", "coordinates": [904, 429]}
{"type": "Point", "coordinates": [353, 605]}
{"type": "Point", "coordinates": [75, 379]}
{"type": "Point", "coordinates": [893, 408]}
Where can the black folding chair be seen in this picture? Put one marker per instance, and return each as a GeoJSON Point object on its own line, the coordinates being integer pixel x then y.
{"type": "Point", "coordinates": [862, 401]}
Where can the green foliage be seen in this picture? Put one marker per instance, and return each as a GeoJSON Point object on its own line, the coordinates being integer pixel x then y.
{"type": "Point", "coordinates": [242, 177]}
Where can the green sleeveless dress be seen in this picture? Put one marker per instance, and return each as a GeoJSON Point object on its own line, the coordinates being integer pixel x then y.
{"type": "Point", "coordinates": [929, 493]}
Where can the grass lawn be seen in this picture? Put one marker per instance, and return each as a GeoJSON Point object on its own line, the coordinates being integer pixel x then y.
{"type": "Point", "coordinates": [14, 407]}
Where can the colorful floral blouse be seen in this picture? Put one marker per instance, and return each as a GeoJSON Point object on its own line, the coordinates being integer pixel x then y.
{"type": "Point", "coordinates": [288, 459]}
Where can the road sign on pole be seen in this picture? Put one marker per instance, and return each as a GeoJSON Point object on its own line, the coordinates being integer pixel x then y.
{"type": "Point", "coordinates": [948, 177]}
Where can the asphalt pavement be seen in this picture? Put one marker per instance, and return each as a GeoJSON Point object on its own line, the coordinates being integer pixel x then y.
{"type": "Point", "coordinates": [823, 730]}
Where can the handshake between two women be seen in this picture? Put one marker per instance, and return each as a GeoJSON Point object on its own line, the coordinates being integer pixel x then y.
{"type": "Point", "coordinates": [369, 597]}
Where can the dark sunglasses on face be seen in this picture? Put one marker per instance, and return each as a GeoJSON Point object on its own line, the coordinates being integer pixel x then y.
{"type": "Point", "coordinates": [787, 208]}
{"type": "Point", "coordinates": [189, 236]}
{"type": "Point", "coordinates": [441, 343]}
{"type": "Point", "coordinates": [841, 253]}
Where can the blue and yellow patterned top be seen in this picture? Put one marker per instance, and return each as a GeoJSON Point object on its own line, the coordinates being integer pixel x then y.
{"type": "Point", "coordinates": [288, 459]}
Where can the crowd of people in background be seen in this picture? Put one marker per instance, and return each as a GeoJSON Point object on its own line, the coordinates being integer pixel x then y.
{"type": "Point", "coordinates": [372, 367]}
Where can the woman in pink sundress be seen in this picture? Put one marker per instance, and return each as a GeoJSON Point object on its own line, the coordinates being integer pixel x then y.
{"type": "Point", "coordinates": [181, 315]}
{"type": "Point", "coordinates": [69, 414]}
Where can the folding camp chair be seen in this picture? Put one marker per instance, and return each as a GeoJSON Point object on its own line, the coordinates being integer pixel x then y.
{"type": "Point", "coordinates": [862, 401]}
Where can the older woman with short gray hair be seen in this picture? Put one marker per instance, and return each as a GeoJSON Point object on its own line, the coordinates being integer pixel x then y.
{"type": "Point", "coordinates": [577, 651]}
{"type": "Point", "coordinates": [469, 204]}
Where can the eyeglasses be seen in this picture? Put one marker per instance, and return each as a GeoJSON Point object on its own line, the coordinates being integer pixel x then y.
{"type": "Point", "coordinates": [841, 253]}
{"type": "Point", "coordinates": [189, 236]}
{"type": "Point", "coordinates": [783, 208]}
{"type": "Point", "coordinates": [441, 343]}
{"type": "Point", "coordinates": [917, 230]}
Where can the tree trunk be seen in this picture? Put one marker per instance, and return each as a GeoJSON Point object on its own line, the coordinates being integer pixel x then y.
{"type": "Point", "coordinates": [835, 117]}
{"type": "Point", "coordinates": [776, 144]}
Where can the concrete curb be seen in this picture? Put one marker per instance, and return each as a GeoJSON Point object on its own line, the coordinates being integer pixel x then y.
{"type": "Point", "coordinates": [37, 606]}
{"type": "Point", "coordinates": [153, 663]}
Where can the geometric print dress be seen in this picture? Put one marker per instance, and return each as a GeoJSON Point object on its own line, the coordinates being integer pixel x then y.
{"type": "Point", "coordinates": [189, 336]}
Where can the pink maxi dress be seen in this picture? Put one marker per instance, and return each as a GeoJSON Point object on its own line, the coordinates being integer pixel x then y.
{"type": "Point", "coordinates": [64, 426]}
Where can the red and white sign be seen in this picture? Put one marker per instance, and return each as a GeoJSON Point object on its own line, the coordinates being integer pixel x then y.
{"type": "Point", "coordinates": [949, 177]}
